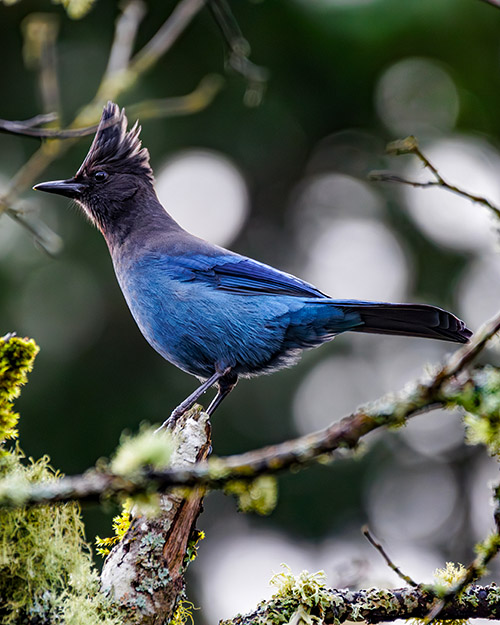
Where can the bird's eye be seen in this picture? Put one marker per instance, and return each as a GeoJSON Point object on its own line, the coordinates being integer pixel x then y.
{"type": "Point", "coordinates": [100, 176]}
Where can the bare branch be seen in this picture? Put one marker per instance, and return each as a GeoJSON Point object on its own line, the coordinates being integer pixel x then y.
{"type": "Point", "coordinates": [193, 102]}
{"type": "Point", "coordinates": [410, 146]}
{"type": "Point", "coordinates": [239, 51]}
{"type": "Point", "coordinates": [126, 28]}
{"type": "Point", "coordinates": [40, 35]}
{"type": "Point", "coordinates": [166, 36]}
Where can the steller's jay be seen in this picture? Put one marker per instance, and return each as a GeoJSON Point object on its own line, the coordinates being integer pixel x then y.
{"type": "Point", "coordinates": [213, 313]}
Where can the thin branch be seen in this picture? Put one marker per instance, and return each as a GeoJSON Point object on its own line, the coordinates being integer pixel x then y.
{"type": "Point", "coordinates": [410, 146]}
{"type": "Point", "coordinates": [239, 51]}
{"type": "Point", "coordinates": [166, 36]}
{"type": "Point", "coordinates": [40, 32]}
{"type": "Point", "coordinates": [126, 28]}
{"type": "Point", "coordinates": [193, 102]}
{"type": "Point", "coordinates": [373, 541]}
{"type": "Point", "coordinates": [434, 390]}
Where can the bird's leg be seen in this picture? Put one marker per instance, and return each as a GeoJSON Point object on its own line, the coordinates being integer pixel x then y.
{"type": "Point", "coordinates": [226, 384]}
{"type": "Point", "coordinates": [190, 401]}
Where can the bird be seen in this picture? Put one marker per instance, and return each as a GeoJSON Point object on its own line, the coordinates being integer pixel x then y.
{"type": "Point", "coordinates": [211, 312]}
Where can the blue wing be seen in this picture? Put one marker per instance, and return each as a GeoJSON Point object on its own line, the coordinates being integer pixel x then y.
{"type": "Point", "coordinates": [246, 277]}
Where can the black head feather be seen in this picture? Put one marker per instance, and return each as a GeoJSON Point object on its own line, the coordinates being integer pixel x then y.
{"type": "Point", "coordinates": [116, 149]}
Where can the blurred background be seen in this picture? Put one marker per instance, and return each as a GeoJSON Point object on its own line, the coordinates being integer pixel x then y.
{"type": "Point", "coordinates": [285, 182]}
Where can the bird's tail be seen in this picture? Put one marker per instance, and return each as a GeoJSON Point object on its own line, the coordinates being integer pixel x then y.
{"type": "Point", "coordinates": [408, 320]}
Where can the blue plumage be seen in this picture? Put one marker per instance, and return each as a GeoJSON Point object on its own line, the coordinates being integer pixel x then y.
{"type": "Point", "coordinates": [213, 313]}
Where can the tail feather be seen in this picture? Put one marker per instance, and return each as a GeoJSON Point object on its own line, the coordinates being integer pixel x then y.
{"type": "Point", "coordinates": [417, 320]}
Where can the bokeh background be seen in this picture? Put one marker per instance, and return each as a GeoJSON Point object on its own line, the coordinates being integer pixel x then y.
{"type": "Point", "coordinates": [285, 182]}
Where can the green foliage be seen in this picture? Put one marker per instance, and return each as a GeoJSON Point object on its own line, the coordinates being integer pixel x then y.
{"type": "Point", "coordinates": [302, 598]}
{"type": "Point", "coordinates": [259, 495]}
{"type": "Point", "coordinates": [481, 400]}
{"type": "Point", "coordinates": [16, 361]}
{"type": "Point", "coordinates": [146, 449]}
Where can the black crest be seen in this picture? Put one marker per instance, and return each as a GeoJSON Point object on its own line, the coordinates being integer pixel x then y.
{"type": "Point", "coordinates": [116, 148]}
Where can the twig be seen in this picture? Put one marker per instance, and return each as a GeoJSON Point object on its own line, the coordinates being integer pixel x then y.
{"type": "Point", "coordinates": [239, 51]}
{"type": "Point", "coordinates": [410, 146]}
{"type": "Point", "coordinates": [393, 409]}
{"type": "Point", "coordinates": [486, 551]}
{"type": "Point", "coordinates": [373, 541]}
{"type": "Point", "coordinates": [166, 36]}
{"type": "Point", "coordinates": [193, 102]}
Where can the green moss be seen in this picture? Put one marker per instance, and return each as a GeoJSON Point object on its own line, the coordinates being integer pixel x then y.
{"type": "Point", "coordinates": [46, 569]}
{"type": "Point", "coordinates": [146, 449]}
{"type": "Point", "coordinates": [259, 495]}
{"type": "Point", "coordinates": [17, 356]}
{"type": "Point", "coordinates": [481, 400]}
{"type": "Point", "coordinates": [301, 599]}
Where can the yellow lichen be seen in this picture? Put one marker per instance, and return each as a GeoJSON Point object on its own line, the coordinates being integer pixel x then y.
{"type": "Point", "coordinates": [121, 523]}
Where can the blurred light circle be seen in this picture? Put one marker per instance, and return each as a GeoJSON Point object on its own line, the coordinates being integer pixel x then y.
{"type": "Point", "coordinates": [332, 389]}
{"type": "Point", "coordinates": [205, 193]}
{"type": "Point", "coordinates": [357, 258]}
{"type": "Point", "coordinates": [434, 433]}
{"type": "Point", "coordinates": [413, 503]}
{"type": "Point", "coordinates": [234, 575]}
{"type": "Point", "coordinates": [447, 218]}
{"type": "Point", "coordinates": [323, 198]}
{"type": "Point", "coordinates": [415, 95]}
{"type": "Point", "coordinates": [62, 308]}
{"type": "Point", "coordinates": [479, 290]}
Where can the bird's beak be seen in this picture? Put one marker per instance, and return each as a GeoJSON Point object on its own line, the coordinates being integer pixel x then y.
{"type": "Point", "coordinates": [68, 188]}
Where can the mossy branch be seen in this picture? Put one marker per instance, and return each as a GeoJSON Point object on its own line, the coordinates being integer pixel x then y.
{"type": "Point", "coordinates": [373, 606]}
{"type": "Point", "coordinates": [450, 384]}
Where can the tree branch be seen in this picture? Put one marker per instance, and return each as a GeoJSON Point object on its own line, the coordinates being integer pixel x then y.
{"type": "Point", "coordinates": [374, 542]}
{"type": "Point", "coordinates": [375, 605]}
{"type": "Point", "coordinates": [440, 388]}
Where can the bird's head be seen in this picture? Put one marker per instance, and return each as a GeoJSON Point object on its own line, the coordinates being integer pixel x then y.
{"type": "Point", "coordinates": [114, 170]}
